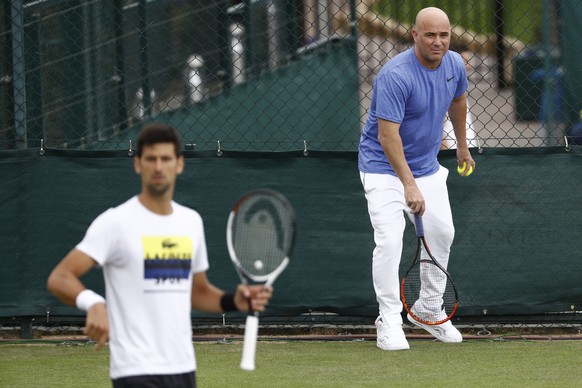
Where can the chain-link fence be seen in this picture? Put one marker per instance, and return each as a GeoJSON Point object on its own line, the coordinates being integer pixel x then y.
{"type": "Point", "coordinates": [272, 74]}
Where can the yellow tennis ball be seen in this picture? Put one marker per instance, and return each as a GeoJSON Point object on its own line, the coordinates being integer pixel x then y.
{"type": "Point", "coordinates": [461, 170]}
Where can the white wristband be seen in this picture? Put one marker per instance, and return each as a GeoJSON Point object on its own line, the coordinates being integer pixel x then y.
{"type": "Point", "coordinates": [87, 298]}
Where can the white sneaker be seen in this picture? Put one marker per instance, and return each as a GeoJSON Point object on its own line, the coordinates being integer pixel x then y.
{"type": "Point", "coordinates": [444, 332]}
{"type": "Point", "coordinates": [390, 337]}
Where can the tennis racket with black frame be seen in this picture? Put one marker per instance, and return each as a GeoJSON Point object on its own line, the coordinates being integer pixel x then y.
{"type": "Point", "coordinates": [428, 279]}
{"type": "Point", "coordinates": [260, 236]}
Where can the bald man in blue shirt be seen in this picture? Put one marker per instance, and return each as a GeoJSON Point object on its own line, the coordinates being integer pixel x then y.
{"type": "Point", "coordinates": [399, 169]}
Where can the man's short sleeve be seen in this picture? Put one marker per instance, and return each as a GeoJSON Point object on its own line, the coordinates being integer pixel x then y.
{"type": "Point", "coordinates": [392, 94]}
{"type": "Point", "coordinates": [99, 241]}
{"type": "Point", "coordinates": [463, 83]}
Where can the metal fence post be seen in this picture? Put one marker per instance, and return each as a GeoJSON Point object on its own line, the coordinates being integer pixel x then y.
{"type": "Point", "coordinates": [118, 78]}
{"type": "Point", "coordinates": [551, 73]}
{"type": "Point", "coordinates": [250, 59]}
{"type": "Point", "coordinates": [34, 90]}
{"type": "Point", "coordinates": [225, 66]}
{"type": "Point", "coordinates": [353, 18]}
{"type": "Point", "coordinates": [499, 46]}
{"type": "Point", "coordinates": [18, 74]}
{"type": "Point", "coordinates": [144, 59]}
{"type": "Point", "coordinates": [6, 94]}
{"type": "Point", "coordinates": [88, 17]}
{"type": "Point", "coordinates": [292, 34]}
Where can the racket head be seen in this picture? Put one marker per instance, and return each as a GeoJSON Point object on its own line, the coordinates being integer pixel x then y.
{"type": "Point", "coordinates": [260, 234]}
{"type": "Point", "coordinates": [437, 282]}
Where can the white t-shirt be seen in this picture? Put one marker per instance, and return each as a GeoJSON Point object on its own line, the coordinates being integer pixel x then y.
{"type": "Point", "coordinates": [148, 261]}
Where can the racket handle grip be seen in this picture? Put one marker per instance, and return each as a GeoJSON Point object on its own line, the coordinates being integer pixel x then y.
{"type": "Point", "coordinates": [418, 225]}
{"type": "Point", "coordinates": [250, 343]}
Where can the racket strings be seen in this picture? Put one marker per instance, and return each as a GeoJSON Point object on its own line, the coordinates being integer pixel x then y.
{"type": "Point", "coordinates": [428, 292]}
{"type": "Point", "coordinates": [262, 234]}
{"type": "Point", "coordinates": [257, 251]}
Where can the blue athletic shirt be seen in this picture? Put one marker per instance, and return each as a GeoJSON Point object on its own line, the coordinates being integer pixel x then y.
{"type": "Point", "coordinates": [417, 98]}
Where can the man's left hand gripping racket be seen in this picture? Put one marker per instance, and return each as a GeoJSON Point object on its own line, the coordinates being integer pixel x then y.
{"type": "Point", "coordinates": [426, 279]}
{"type": "Point", "coordinates": [260, 236]}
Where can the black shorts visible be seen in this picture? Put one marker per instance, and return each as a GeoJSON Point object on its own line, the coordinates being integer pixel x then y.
{"type": "Point", "coordinates": [184, 380]}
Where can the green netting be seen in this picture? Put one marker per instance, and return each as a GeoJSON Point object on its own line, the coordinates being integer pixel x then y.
{"type": "Point", "coordinates": [518, 226]}
{"type": "Point", "coordinates": [312, 100]}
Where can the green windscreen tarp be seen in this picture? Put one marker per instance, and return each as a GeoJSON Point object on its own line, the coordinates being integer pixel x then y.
{"type": "Point", "coordinates": [518, 225]}
{"type": "Point", "coordinates": [313, 99]}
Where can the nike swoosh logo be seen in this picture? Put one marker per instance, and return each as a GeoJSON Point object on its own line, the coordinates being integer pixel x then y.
{"type": "Point", "coordinates": [449, 79]}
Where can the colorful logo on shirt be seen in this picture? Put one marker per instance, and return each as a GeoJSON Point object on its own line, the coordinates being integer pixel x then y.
{"type": "Point", "coordinates": [167, 258]}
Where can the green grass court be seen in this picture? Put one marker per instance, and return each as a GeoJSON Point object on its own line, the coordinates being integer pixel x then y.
{"type": "Point", "coordinates": [474, 363]}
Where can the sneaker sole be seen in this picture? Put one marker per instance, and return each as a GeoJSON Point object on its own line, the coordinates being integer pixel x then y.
{"type": "Point", "coordinates": [407, 347]}
{"type": "Point", "coordinates": [432, 331]}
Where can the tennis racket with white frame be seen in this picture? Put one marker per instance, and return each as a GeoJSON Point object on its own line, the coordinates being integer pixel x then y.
{"type": "Point", "coordinates": [260, 235]}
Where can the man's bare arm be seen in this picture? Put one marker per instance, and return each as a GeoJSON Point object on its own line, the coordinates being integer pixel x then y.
{"type": "Point", "coordinates": [389, 137]}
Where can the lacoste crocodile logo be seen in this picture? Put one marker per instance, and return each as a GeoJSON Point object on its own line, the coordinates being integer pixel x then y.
{"type": "Point", "coordinates": [168, 244]}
